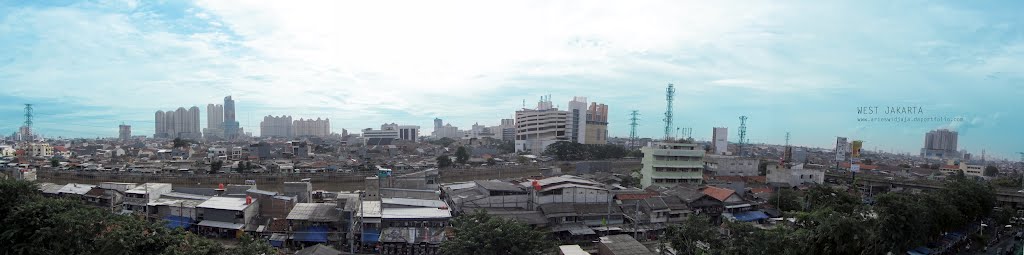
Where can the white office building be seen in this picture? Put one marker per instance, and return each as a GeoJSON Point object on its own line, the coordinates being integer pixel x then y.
{"type": "Point", "coordinates": [720, 141]}
{"type": "Point", "coordinates": [538, 128]}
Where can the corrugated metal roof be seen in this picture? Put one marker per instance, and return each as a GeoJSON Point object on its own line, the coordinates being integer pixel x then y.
{"type": "Point", "coordinates": [414, 202]}
{"type": "Point", "coordinates": [316, 212]}
{"type": "Point", "coordinates": [415, 213]}
{"type": "Point", "coordinates": [225, 203]}
{"type": "Point", "coordinates": [370, 209]}
{"type": "Point", "coordinates": [221, 224]}
{"type": "Point", "coordinates": [75, 188]}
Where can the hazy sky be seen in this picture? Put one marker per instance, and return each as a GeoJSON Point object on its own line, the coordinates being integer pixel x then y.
{"type": "Point", "coordinates": [797, 66]}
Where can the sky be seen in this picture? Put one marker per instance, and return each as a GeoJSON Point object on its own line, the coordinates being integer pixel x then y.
{"type": "Point", "coordinates": [802, 67]}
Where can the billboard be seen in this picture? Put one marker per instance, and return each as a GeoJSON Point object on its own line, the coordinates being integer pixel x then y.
{"type": "Point", "coordinates": [856, 146]}
{"type": "Point", "coordinates": [841, 148]}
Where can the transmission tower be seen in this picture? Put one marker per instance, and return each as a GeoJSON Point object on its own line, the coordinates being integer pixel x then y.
{"type": "Point", "coordinates": [787, 139]}
{"type": "Point", "coordinates": [743, 133]}
{"type": "Point", "coordinates": [669, 93]}
{"type": "Point", "coordinates": [632, 128]}
{"type": "Point", "coordinates": [28, 121]}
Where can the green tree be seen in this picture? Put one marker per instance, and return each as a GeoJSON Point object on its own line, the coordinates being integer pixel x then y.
{"type": "Point", "coordinates": [249, 245]}
{"type": "Point", "coordinates": [991, 171]}
{"type": "Point", "coordinates": [181, 143]}
{"type": "Point", "coordinates": [786, 200]}
{"type": "Point", "coordinates": [691, 234]}
{"type": "Point", "coordinates": [462, 155]}
{"type": "Point", "coordinates": [820, 197]}
{"type": "Point", "coordinates": [54, 162]}
{"type": "Point", "coordinates": [507, 147]}
{"type": "Point", "coordinates": [215, 166]}
{"type": "Point", "coordinates": [444, 161]}
{"type": "Point", "coordinates": [479, 233]}
{"type": "Point", "coordinates": [903, 221]}
{"type": "Point", "coordinates": [444, 141]}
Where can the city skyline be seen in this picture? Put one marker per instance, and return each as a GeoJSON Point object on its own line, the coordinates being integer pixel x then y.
{"type": "Point", "coordinates": [799, 67]}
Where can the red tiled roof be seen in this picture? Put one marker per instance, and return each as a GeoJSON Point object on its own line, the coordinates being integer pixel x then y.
{"type": "Point", "coordinates": [719, 193]}
{"type": "Point", "coordinates": [761, 190]}
{"type": "Point", "coordinates": [758, 179]}
{"type": "Point", "coordinates": [60, 148]}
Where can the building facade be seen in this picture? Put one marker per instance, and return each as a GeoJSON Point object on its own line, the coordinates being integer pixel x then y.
{"type": "Point", "coordinates": [316, 128]}
{"type": "Point", "coordinates": [668, 164]}
{"type": "Point", "coordinates": [538, 128]}
{"type": "Point", "coordinates": [720, 140]}
{"type": "Point", "coordinates": [940, 143]}
{"type": "Point", "coordinates": [280, 127]}
{"type": "Point", "coordinates": [124, 132]}
{"type": "Point", "coordinates": [232, 128]}
{"type": "Point", "coordinates": [597, 124]}
{"type": "Point", "coordinates": [180, 123]}
{"type": "Point", "coordinates": [577, 121]}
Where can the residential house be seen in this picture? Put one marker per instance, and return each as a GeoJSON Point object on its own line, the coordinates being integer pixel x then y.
{"type": "Point", "coordinates": [226, 216]}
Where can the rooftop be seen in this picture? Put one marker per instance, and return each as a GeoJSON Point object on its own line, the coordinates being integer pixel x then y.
{"type": "Point", "coordinates": [317, 212]}
{"type": "Point", "coordinates": [225, 203]}
{"type": "Point", "coordinates": [624, 245]}
{"type": "Point", "coordinates": [415, 213]}
{"type": "Point", "coordinates": [75, 188]}
{"type": "Point", "coordinates": [718, 193]}
{"type": "Point", "coordinates": [415, 202]}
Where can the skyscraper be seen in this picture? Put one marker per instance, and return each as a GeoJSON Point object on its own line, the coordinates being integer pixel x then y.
{"type": "Point", "coordinates": [124, 132]}
{"type": "Point", "coordinates": [214, 121]}
{"type": "Point", "coordinates": [180, 123]}
{"type": "Point", "coordinates": [276, 127]}
{"type": "Point", "coordinates": [940, 143]}
{"type": "Point", "coordinates": [310, 127]}
{"type": "Point", "coordinates": [720, 140]}
{"type": "Point", "coordinates": [230, 124]}
{"type": "Point", "coordinates": [597, 124]}
{"type": "Point", "coordinates": [438, 123]}
{"type": "Point", "coordinates": [577, 122]}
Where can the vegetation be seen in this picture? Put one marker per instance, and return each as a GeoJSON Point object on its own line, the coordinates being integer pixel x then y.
{"type": "Point", "coordinates": [576, 151]}
{"type": "Point", "coordinates": [444, 141]}
{"type": "Point", "coordinates": [837, 222]}
{"type": "Point", "coordinates": [54, 162]}
{"type": "Point", "coordinates": [462, 155]}
{"type": "Point", "coordinates": [785, 200]}
{"type": "Point", "coordinates": [991, 171]}
{"type": "Point", "coordinates": [480, 233]}
{"type": "Point", "coordinates": [32, 224]}
{"type": "Point", "coordinates": [444, 161]}
{"type": "Point", "coordinates": [181, 143]}
{"type": "Point", "coordinates": [507, 147]}
{"type": "Point", "coordinates": [215, 166]}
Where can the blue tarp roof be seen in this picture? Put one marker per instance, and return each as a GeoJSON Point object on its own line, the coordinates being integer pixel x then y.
{"type": "Point", "coordinates": [920, 251]}
{"type": "Point", "coordinates": [750, 216]}
{"type": "Point", "coordinates": [371, 235]}
{"type": "Point", "coordinates": [312, 234]}
{"type": "Point", "coordinates": [178, 221]}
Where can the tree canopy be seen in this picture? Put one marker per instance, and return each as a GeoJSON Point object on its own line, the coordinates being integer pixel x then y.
{"type": "Point", "coordinates": [479, 233]}
{"type": "Point", "coordinates": [444, 161]}
{"type": "Point", "coordinates": [32, 224]}
{"type": "Point", "coordinates": [462, 155]}
{"type": "Point", "coordinates": [566, 150]}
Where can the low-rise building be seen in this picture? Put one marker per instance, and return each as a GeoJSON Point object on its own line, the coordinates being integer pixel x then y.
{"type": "Point", "coordinates": [731, 166]}
{"type": "Point", "coordinates": [226, 216]}
{"type": "Point", "coordinates": [668, 164]}
{"type": "Point", "coordinates": [793, 176]}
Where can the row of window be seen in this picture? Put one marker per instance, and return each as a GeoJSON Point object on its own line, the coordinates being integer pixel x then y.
{"type": "Point", "coordinates": [678, 158]}
{"type": "Point", "coordinates": [667, 180]}
{"type": "Point", "coordinates": [676, 169]}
